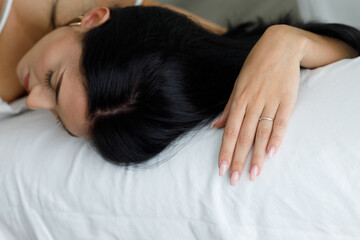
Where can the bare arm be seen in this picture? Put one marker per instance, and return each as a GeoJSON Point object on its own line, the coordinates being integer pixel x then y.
{"type": "Point", "coordinates": [322, 50]}
{"type": "Point", "coordinates": [313, 50]}
{"type": "Point", "coordinates": [317, 50]}
{"type": "Point", "coordinates": [267, 86]}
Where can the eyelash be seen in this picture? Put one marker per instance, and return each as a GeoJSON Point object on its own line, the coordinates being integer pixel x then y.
{"type": "Point", "coordinates": [48, 76]}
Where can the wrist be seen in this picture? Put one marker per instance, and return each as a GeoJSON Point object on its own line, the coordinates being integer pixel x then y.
{"type": "Point", "coordinates": [294, 39]}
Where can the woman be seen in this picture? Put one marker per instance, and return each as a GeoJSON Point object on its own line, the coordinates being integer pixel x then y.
{"type": "Point", "coordinates": [74, 112]}
{"type": "Point", "coordinates": [29, 21]}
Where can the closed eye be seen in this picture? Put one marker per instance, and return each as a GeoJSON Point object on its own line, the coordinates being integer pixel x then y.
{"type": "Point", "coordinates": [48, 83]}
{"type": "Point", "coordinates": [48, 77]}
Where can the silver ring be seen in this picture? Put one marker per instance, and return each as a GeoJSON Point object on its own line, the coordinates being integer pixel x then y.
{"type": "Point", "coordinates": [266, 118]}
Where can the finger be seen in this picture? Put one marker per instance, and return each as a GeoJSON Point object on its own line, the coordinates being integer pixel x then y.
{"type": "Point", "coordinates": [262, 137]}
{"type": "Point", "coordinates": [279, 127]}
{"type": "Point", "coordinates": [230, 135]}
{"type": "Point", "coordinates": [244, 143]}
{"type": "Point", "coordinates": [221, 121]}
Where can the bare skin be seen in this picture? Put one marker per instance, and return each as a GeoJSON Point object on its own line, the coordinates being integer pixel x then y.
{"type": "Point", "coordinates": [266, 86]}
{"type": "Point", "coordinates": [30, 20]}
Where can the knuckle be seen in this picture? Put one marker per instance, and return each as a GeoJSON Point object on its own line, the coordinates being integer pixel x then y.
{"type": "Point", "coordinates": [280, 123]}
{"type": "Point", "coordinates": [276, 138]}
{"type": "Point", "coordinates": [257, 99]}
{"type": "Point", "coordinates": [263, 132]}
{"type": "Point", "coordinates": [245, 139]}
{"type": "Point", "coordinates": [237, 165]}
{"type": "Point", "coordinates": [225, 155]}
{"type": "Point", "coordinates": [239, 101]}
{"type": "Point", "coordinates": [258, 94]}
{"type": "Point", "coordinates": [257, 158]}
{"type": "Point", "coordinates": [231, 132]}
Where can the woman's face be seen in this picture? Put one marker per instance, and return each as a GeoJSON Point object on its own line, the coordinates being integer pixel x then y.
{"type": "Point", "coordinates": [50, 72]}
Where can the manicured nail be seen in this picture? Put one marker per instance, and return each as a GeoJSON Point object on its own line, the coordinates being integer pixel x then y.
{"type": "Point", "coordinates": [235, 176]}
{"type": "Point", "coordinates": [213, 122]}
{"type": "Point", "coordinates": [271, 152]}
{"type": "Point", "coordinates": [254, 172]}
{"type": "Point", "coordinates": [223, 168]}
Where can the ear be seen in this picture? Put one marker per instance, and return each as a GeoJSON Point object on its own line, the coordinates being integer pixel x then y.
{"type": "Point", "coordinates": [95, 17]}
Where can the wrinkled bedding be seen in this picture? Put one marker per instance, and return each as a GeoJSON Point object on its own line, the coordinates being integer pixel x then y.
{"type": "Point", "coordinates": [56, 187]}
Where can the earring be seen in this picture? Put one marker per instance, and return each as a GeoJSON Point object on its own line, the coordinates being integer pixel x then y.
{"type": "Point", "coordinates": [76, 21]}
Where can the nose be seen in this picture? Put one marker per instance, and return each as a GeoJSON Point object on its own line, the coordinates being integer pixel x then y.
{"type": "Point", "coordinates": [41, 98]}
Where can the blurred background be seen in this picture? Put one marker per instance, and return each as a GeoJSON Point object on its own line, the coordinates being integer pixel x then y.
{"type": "Point", "coordinates": [237, 11]}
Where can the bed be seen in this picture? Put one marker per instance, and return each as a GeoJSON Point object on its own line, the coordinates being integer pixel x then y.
{"type": "Point", "coordinates": [56, 187]}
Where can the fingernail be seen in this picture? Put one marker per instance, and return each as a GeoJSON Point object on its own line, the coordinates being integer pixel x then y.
{"type": "Point", "coordinates": [234, 178]}
{"type": "Point", "coordinates": [223, 168]}
{"type": "Point", "coordinates": [253, 173]}
{"type": "Point", "coordinates": [213, 122]}
{"type": "Point", "coordinates": [271, 152]}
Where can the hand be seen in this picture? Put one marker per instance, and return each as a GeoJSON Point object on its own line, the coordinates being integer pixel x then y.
{"type": "Point", "coordinates": [267, 86]}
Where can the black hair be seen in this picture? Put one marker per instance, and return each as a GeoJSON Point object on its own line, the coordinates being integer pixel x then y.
{"type": "Point", "coordinates": [153, 75]}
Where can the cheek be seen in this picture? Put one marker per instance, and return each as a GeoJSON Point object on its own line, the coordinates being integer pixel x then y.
{"type": "Point", "coordinates": [75, 118]}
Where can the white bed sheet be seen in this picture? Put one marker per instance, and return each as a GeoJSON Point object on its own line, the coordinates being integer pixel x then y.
{"type": "Point", "coordinates": [55, 187]}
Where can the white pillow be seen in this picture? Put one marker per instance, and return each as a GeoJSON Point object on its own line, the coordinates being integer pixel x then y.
{"type": "Point", "coordinates": [55, 187]}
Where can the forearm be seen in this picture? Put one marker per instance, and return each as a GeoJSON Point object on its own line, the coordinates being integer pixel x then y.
{"type": "Point", "coordinates": [321, 50]}
{"type": "Point", "coordinates": [314, 50]}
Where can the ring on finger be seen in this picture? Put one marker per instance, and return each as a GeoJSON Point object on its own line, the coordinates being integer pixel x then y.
{"type": "Point", "coordinates": [265, 118]}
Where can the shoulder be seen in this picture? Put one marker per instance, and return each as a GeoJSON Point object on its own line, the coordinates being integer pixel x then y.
{"type": "Point", "coordinates": [35, 14]}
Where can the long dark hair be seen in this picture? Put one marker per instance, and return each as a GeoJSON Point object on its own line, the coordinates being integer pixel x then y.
{"type": "Point", "coordinates": [153, 75]}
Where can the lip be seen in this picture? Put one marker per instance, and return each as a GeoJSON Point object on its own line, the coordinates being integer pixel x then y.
{"type": "Point", "coordinates": [26, 82]}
